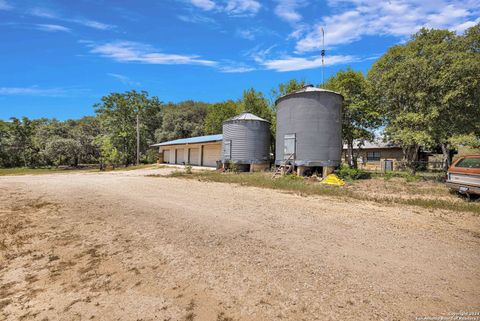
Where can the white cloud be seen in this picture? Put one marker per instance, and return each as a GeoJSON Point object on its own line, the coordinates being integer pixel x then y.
{"type": "Point", "coordinates": [204, 4]}
{"type": "Point", "coordinates": [399, 18]}
{"type": "Point", "coordinates": [194, 18]}
{"type": "Point", "coordinates": [93, 24]}
{"type": "Point", "coordinates": [32, 91]}
{"type": "Point", "coordinates": [464, 26]}
{"type": "Point", "coordinates": [43, 13]}
{"type": "Point", "coordinates": [287, 10]}
{"type": "Point", "coordinates": [248, 34]}
{"type": "Point", "coordinates": [52, 28]}
{"type": "Point", "coordinates": [242, 7]}
{"type": "Point", "coordinates": [300, 63]}
{"type": "Point", "coordinates": [127, 51]}
{"type": "Point", "coordinates": [231, 7]}
{"type": "Point", "coordinates": [124, 79]}
{"type": "Point", "coordinates": [4, 5]}
{"type": "Point", "coordinates": [50, 14]}
{"type": "Point", "coordinates": [236, 69]}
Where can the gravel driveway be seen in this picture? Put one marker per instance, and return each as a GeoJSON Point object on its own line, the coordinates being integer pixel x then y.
{"type": "Point", "coordinates": [122, 246]}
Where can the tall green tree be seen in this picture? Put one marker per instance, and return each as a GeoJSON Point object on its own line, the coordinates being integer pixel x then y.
{"type": "Point", "coordinates": [428, 90]}
{"type": "Point", "coordinates": [21, 147]}
{"type": "Point", "coordinates": [217, 114]}
{"type": "Point", "coordinates": [5, 159]}
{"type": "Point", "coordinates": [118, 118]}
{"type": "Point", "coordinates": [185, 119]}
{"type": "Point", "coordinates": [287, 87]}
{"type": "Point", "coordinates": [455, 83]}
{"type": "Point", "coordinates": [359, 117]}
{"type": "Point", "coordinates": [63, 151]}
{"type": "Point", "coordinates": [109, 154]}
{"type": "Point", "coordinates": [254, 102]}
{"type": "Point", "coordinates": [84, 132]}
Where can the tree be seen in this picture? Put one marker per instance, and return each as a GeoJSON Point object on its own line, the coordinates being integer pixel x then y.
{"type": "Point", "coordinates": [182, 120]}
{"type": "Point", "coordinates": [5, 159]}
{"type": "Point", "coordinates": [217, 114]}
{"type": "Point", "coordinates": [20, 143]}
{"type": "Point", "coordinates": [85, 131]}
{"type": "Point", "coordinates": [63, 151]}
{"type": "Point", "coordinates": [109, 155]}
{"type": "Point", "coordinates": [288, 87]}
{"type": "Point", "coordinates": [359, 118]}
{"type": "Point", "coordinates": [254, 102]}
{"type": "Point", "coordinates": [456, 85]}
{"type": "Point", "coordinates": [428, 90]}
{"type": "Point", "coordinates": [118, 117]}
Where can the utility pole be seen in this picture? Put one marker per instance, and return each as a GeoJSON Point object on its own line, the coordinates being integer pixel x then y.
{"type": "Point", "coordinates": [138, 140]}
{"type": "Point", "coordinates": [323, 56]}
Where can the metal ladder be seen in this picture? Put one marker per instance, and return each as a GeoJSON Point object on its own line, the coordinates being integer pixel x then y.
{"type": "Point", "coordinates": [286, 167]}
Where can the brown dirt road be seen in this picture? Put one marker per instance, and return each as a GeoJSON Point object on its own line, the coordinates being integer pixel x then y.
{"type": "Point", "coordinates": [121, 246]}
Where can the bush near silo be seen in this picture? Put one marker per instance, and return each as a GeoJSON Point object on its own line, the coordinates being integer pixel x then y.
{"type": "Point", "coordinates": [347, 173]}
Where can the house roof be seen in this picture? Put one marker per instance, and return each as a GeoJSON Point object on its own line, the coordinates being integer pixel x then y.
{"type": "Point", "coordinates": [373, 145]}
{"type": "Point", "coordinates": [191, 140]}
{"type": "Point", "coordinates": [246, 116]}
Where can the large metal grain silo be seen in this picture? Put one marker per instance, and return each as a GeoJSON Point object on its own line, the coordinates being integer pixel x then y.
{"type": "Point", "coordinates": [246, 142]}
{"type": "Point", "coordinates": [309, 129]}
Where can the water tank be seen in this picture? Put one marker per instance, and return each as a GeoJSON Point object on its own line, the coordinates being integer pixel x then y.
{"type": "Point", "coordinates": [309, 127]}
{"type": "Point", "coordinates": [246, 140]}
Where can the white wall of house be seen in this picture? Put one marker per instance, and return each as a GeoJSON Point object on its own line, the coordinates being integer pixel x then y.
{"type": "Point", "coordinates": [201, 154]}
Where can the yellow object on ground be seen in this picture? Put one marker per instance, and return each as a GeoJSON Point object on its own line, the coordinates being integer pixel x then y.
{"type": "Point", "coordinates": [333, 179]}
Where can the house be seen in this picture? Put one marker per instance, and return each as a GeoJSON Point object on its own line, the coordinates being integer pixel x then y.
{"type": "Point", "coordinates": [380, 156]}
{"type": "Point", "coordinates": [199, 151]}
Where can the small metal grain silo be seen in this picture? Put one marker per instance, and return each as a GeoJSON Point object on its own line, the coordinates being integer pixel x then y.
{"type": "Point", "coordinates": [309, 128]}
{"type": "Point", "coordinates": [246, 142]}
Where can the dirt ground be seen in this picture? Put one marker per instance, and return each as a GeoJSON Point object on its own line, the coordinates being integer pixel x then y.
{"type": "Point", "coordinates": [122, 246]}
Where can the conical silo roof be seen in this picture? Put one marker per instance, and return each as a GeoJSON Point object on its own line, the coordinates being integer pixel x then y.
{"type": "Point", "coordinates": [246, 116]}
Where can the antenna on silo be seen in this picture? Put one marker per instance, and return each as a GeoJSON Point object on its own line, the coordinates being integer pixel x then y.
{"type": "Point", "coordinates": [323, 56]}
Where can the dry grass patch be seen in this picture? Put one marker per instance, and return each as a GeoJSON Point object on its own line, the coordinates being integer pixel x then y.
{"type": "Point", "coordinates": [440, 197]}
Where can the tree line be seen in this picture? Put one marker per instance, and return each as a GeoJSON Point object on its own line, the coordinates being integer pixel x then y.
{"type": "Point", "coordinates": [424, 93]}
{"type": "Point", "coordinates": [109, 137]}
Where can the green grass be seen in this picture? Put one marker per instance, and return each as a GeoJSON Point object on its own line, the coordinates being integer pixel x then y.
{"type": "Point", "coordinates": [301, 186]}
{"type": "Point", "coordinates": [54, 170]}
{"type": "Point", "coordinates": [38, 171]}
{"type": "Point", "coordinates": [141, 166]}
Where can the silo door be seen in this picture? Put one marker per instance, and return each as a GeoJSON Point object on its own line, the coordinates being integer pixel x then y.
{"type": "Point", "coordinates": [289, 146]}
{"type": "Point", "coordinates": [227, 149]}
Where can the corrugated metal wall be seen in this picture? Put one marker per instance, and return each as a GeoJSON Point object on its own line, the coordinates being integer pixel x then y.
{"type": "Point", "coordinates": [250, 141]}
{"type": "Point", "coordinates": [315, 119]}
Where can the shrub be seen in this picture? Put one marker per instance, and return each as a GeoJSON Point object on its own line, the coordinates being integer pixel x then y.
{"type": "Point", "coordinates": [348, 173]}
{"type": "Point", "coordinates": [232, 166]}
{"type": "Point", "coordinates": [188, 169]}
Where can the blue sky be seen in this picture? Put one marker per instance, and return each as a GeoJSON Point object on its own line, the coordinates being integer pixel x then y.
{"type": "Point", "coordinates": [59, 57]}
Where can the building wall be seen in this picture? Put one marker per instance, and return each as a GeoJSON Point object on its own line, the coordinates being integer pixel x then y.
{"type": "Point", "coordinates": [202, 154]}
{"type": "Point", "coordinates": [393, 154]}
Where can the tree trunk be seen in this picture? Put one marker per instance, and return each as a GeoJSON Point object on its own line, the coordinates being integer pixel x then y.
{"type": "Point", "coordinates": [414, 160]}
{"type": "Point", "coordinates": [350, 153]}
{"type": "Point", "coordinates": [410, 155]}
{"type": "Point", "coordinates": [446, 157]}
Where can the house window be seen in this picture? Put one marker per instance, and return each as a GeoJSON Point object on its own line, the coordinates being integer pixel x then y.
{"type": "Point", "coordinates": [373, 156]}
